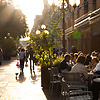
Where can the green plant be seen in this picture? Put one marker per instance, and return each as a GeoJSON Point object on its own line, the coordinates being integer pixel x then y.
{"type": "Point", "coordinates": [8, 45]}
{"type": "Point", "coordinates": [44, 43]}
{"type": "Point", "coordinates": [43, 50]}
{"type": "Point", "coordinates": [57, 61]}
{"type": "Point", "coordinates": [45, 57]}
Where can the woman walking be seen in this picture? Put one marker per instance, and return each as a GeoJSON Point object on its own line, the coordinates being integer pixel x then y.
{"type": "Point", "coordinates": [22, 59]}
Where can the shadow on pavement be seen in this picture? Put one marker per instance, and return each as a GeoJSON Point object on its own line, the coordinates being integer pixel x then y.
{"type": "Point", "coordinates": [21, 78]}
{"type": "Point", "coordinates": [34, 79]}
{"type": "Point", "coordinates": [6, 62]}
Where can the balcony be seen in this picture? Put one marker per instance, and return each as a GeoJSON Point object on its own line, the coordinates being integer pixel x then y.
{"type": "Point", "coordinates": [89, 18]}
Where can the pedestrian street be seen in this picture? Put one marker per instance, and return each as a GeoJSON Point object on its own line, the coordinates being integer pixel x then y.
{"type": "Point", "coordinates": [22, 87]}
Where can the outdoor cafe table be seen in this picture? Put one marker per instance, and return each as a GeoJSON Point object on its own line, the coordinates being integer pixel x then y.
{"type": "Point", "coordinates": [92, 75]}
{"type": "Point", "coordinates": [96, 80]}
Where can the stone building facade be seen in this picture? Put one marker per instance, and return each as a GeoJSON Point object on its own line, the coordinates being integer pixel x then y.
{"type": "Point", "coordinates": [86, 20]}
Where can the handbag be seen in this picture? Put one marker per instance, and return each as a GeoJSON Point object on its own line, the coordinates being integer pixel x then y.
{"type": "Point", "coordinates": [17, 63]}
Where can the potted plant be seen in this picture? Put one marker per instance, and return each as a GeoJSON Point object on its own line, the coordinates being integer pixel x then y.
{"type": "Point", "coordinates": [44, 55]}
{"type": "Point", "coordinates": [57, 61]}
{"type": "Point", "coordinates": [43, 44]}
{"type": "Point", "coordinates": [45, 59]}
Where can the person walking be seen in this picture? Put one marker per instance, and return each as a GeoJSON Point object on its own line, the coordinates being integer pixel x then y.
{"type": "Point", "coordinates": [1, 55]}
{"type": "Point", "coordinates": [31, 60]}
{"type": "Point", "coordinates": [22, 59]}
{"type": "Point", "coordinates": [26, 55]}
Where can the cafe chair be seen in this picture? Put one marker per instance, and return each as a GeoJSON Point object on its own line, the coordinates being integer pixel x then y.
{"type": "Point", "coordinates": [55, 71]}
{"type": "Point", "coordinates": [75, 80]}
{"type": "Point", "coordinates": [69, 94]}
{"type": "Point", "coordinates": [53, 78]}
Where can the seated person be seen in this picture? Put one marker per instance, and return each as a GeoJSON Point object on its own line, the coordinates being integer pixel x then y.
{"type": "Point", "coordinates": [97, 68]}
{"type": "Point", "coordinates": [79, 66]}
{"type": "Point", "coordinates": [71, 59]}
{"type": "Point", "coordinates": [87, 59]}
{"type": "Point", "coordinates": [64, 65]}
{"type": "Point", "coordinates": [75, 57]}
{"type": "Point", "coordinates": [94, 62]}
{"type": "Point", "coordinates": [95, 86]}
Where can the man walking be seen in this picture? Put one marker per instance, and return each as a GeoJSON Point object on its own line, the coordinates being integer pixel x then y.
{"type": "Point", "coordinates": [31, 61]}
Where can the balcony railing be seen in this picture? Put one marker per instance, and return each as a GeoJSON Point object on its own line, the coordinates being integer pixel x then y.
{"type": "Point", "coordinates": [89, 18]}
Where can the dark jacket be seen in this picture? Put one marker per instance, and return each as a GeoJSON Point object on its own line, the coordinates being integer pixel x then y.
{"type": "Point", "coordinates": [31, 54]}
{"type": "Point", "coordinates": [64, 65]}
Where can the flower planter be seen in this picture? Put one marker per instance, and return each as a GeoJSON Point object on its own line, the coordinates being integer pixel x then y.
{"type": "Point", "coordinates": [45, 78]}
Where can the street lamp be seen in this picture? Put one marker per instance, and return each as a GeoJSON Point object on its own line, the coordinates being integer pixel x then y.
{"type": "Point", "coordinates": [46, 31]}
{"type": "Point", "coordinates": [74, 4]}
{"type": "Point", "coordinates": [64, 41]}
{"type": "Point", "coordinates": [43, 27]}
{"type": "Point", "coordinates": [38, 32]}
{"type": "Point", "coordinates": [8, 34]}
{"type": "Point", "coordinates": [42, 35]}
{"type": "Point", "coordinates": [63, 5]}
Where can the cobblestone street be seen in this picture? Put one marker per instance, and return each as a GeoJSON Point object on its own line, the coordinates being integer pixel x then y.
{"type": "Point", "coordinates": [24, 88]}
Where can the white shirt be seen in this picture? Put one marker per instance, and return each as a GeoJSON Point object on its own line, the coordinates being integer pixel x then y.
{"type": "Point", "coordinates": [97, 68]}
{"type": "Point", "coordinates": [80, 68]}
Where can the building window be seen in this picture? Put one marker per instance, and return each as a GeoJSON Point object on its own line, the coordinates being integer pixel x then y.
{"type": "Point", "coordinates": [94, 4]}
{"type": "Point", "coordinates": [86, 6]}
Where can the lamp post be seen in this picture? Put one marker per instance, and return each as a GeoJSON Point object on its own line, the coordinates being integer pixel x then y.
{"type": "Point", "coordinates": [63, 20]}
{"type": "Point", "coordinates": [43, 28]}
{"type": "Point", "coordinates": [74, 4]}
{"type": "Point", "coordinates": [64, 41]}
{"type": "Point", "coordinates": [43, 33]}
{"type": "Point", "coordinates": [38, 32]}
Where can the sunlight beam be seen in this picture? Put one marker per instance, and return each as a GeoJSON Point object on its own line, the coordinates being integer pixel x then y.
{"type": "Point", "coordinates": [5, 12]}
{"type": "Point", "coordinates": [30, 9]}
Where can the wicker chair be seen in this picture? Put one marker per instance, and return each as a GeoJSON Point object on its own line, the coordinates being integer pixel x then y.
{"type": "Point", "coordinates": [53, 78]}
{"type": "Point", "coordinates": [73, 94]}
{"type": "Point", "coordinates": [75, 80]}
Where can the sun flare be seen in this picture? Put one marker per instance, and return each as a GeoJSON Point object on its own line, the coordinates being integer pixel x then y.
{"type": "Point", "coordinates": [30, 8]}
